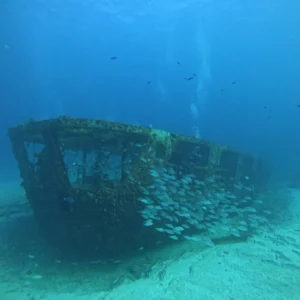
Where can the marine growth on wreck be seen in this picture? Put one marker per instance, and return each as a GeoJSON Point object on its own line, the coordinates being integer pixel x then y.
{"type": "Point", "coordinates": [100, 188]}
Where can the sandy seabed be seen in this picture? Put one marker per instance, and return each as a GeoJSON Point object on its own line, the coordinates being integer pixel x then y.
{"type": "Point", "coordinates": [265, 267]}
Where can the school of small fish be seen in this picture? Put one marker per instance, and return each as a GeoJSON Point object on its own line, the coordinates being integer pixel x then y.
{"type": "Point", "coordinates": [180, 205]}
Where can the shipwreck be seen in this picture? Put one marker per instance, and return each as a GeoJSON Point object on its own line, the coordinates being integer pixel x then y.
{"type": "Point", "coordinates": [101, 188]}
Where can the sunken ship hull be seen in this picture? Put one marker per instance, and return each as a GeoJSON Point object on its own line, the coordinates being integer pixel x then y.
{"type": "Point", "coordinates": [101, 188]}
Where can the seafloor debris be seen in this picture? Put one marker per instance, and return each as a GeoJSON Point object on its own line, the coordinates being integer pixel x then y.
{"type": "Point", "coordinates": [106, 188]}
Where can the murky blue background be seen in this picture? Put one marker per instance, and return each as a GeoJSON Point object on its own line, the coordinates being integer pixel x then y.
{"type": "Point", "coordinates": [55, 59]}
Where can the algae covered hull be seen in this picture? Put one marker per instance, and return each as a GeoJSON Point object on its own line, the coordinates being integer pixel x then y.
{"type": "Point", "coordinates": [104, 188]}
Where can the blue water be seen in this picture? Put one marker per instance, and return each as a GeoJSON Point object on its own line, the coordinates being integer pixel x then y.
{"type": "Point", "coordinates": [226, 71]}
{"type": "Point", "coordinates": [55, 59]}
